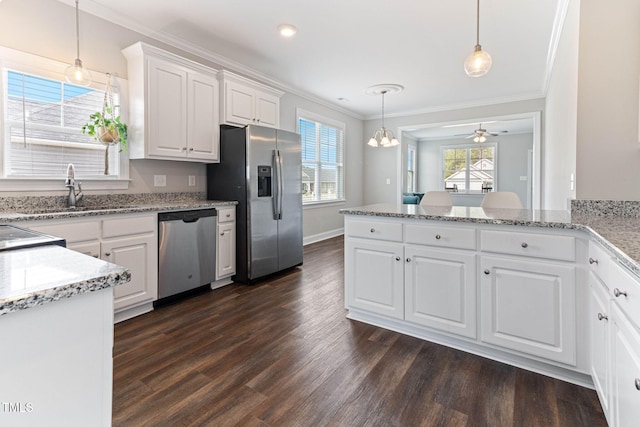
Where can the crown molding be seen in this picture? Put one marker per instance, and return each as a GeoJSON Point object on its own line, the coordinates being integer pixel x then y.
{"type": "Point", "coordinates": [462, 106]}
{"type": "Point", "coordinates": [110, 15]}
{"type": "Point", "coordinates": [556, 33]}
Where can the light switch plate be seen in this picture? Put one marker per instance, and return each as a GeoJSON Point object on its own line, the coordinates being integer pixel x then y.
{"type": "Point", "coordinates": [523, 178]}
{"type": "Point", "coordinates": [192, 180]}
{"type": "Point", "coordinates": [159, 180]}
{"type": "Point", "coordinates": [388, 181]}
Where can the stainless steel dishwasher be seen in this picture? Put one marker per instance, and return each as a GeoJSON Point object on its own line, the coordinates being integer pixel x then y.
{"type": "Point", "coordinates": [186, 250]}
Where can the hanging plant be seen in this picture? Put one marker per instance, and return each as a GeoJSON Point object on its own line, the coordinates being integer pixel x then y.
{"type": "Point", "coordinates": [106, 127]}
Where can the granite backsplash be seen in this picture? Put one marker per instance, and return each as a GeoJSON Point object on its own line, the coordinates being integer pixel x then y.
{"type": "Point", "coordinates": [606, 208]}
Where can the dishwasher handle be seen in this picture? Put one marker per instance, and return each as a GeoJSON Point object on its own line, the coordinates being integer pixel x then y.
{"type": "Point", "coordinates": [186, 216]}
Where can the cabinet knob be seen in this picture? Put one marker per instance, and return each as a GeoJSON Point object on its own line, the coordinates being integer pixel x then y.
{"type": "Point", "coordinates": [184, 148]}
{"type": "Point", "coordinates": [190, 149]}
{"type": "Point", "coordinates": [107, 254]}
{"type": "Point", "coordinates": [222, 234]}
{"type": "Point", "coordinates": [258, 120]}
{"type": "Point", "coordinates": [397, 258]}
{"type": "Point", "coordinates": [373, 230]}
{"type": "Point", "coordinates": [95, 256]}
{"type": "Point", "coordinates": [408, 259]}
{"type": "Point", "coordinates": [637, 383]}
{"type": "Point", "coordinates": [524, 245]}
{"type": "Point", "coordinates": [487, 271]}
{"type": "Point", "coordinates": [592, 261]}
{"type": "Point", "coordinates": [228, 215]}
{"type": "Point", "coordinates": [438, 237]}
{"type": "Point", "coordinates": [602, 316]}
{"type": "Point", "coordinates": [617, 292]}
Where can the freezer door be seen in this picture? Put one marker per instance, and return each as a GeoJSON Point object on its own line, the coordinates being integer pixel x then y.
{"type": "Point", "coordinates": [262, 233]}
{"type": "Point", "coordinates": [290, 223]}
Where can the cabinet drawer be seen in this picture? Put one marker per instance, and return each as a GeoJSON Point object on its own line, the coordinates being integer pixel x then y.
{"type": "Point", "coordinates": [226, 214]}
{"type": "Point", "coordinates": [129, 226]}
{"type": "Point", "coordinates": [561, 248]}
{"type": "Point", "coordinates": [601, 263]}
{"type": "Point", "coordinates": [72, 232]}
{"type": "Point", "coordinates": [621, 282]}
{"type": "Point", "coordinates": [448, 237]}
{"type": "Point", "coordinates": [375, 230]}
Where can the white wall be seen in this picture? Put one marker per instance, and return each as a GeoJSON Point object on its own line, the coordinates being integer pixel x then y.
{"type": "Point", "coordinates": [560, 118]}
{"type": "Point", "coordinates": [47, 28]}
{"type": "Point", "coordinates": [382, 163]}
{"type": "Point", "coordinates": [512, 164]}
{"type": "Point", "coordinates": [608, 152]}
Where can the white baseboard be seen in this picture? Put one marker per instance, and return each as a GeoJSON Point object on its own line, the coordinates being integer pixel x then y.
{"type": "Point", "coordinates": [322, 236]}
{"type": "Point", "coordinates": [132, 312]}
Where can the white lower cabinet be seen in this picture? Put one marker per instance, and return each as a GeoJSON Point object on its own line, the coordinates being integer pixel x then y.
{"type": "Point", "coordinates": [529, 306]}
{"type": "Point", "coordinates": [626, 370]}
{"type": "Point", "coordinates": [599, 327]}
{"type": "Point", "coordinates": [129, 240]}
{"type": "Point", "coordinates": [440, 289]}
{"type": "Point", "coordinates": [374, 273]}
{"type": "Point", "coordinates": [226, 243]}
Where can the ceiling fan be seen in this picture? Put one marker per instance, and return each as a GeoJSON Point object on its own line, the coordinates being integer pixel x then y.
{"type": "Point", "coordinates": [480, 134]}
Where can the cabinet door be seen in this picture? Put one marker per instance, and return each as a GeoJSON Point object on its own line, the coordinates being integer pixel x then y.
{"type": "Point", "coordinates": [239, 104]}
{"type": "Point", "coordinates": [626, 370]}
{"type": "Point", "coordinates": [374, 273]}
{"type": "Point", "coordinates": [203, 118]}
{"type": "Point", "coordinates": [267, 109]}
{"type": "Point", "coordinates": [600, 341]}
{"type": "Point", "coordinates": [530, 307]}
{"type": "Point", "coordinates": [167, 109]}
{"type": "Point", "coordinates": [87, 248]}
{"type": "Point", "coordinates": [139, 255]}
{"type": "Point", "coordinates": [440, 289]}
{"type": "Point", "coordinates": [226, 250]}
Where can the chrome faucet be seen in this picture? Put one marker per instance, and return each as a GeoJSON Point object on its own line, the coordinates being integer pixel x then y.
{"type": "Point", "coordinates": [73, 198]}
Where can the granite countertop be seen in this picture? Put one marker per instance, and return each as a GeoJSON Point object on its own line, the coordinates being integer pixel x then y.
{"type": "Point", "coordinates": [620, 234]}
{"type": "Point", "coordinates": [35, 276]}
{"type": "Point", "coordinates": [40, 213]}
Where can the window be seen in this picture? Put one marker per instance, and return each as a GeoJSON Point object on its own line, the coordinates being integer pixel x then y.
{"type": "Point", "coordinates": [411, 168]}
{"type": "Point", "coordinates": [469, 169]}
{"type": "Point", "coordinates": [42, 127]}
{"type": "Point", "coordinates": [322, 158]}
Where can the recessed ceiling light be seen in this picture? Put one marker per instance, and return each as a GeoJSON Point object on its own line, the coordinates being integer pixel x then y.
{"type": "Point", "coordinates": [343, 99]}
{"type": "Point", "coordinates": [287, 30]}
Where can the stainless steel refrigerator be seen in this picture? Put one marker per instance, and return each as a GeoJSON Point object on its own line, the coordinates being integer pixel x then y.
{"type": "Point", "coordinates": [261, 168]}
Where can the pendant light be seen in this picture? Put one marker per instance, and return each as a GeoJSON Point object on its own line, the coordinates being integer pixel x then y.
{"type": "Point", "coordinates": [383, 137]}
{"type": "Point", "coordinates": [479, 62]}
{"type": "Point", "coordinates": [76, 73]}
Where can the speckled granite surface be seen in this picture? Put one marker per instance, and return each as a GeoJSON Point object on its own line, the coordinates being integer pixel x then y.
{"type": "Point", "coordinates": [15, 209]}
{"type": "Point", "coordinates": [613, 224]}
{"type": "Point", "coordinates": [36, 276]}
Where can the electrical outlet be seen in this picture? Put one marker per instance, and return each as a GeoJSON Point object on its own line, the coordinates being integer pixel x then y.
{"type": "Point", "coordinates": [523, 178]}
{"type": "Point", "coordinates": [159, 180]}
{"type": "Point", "coordinates": [192, 180]}
{"type": "Point", "coordinates": [388, 181]}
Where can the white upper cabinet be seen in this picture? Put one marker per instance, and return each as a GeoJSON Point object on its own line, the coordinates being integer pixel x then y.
{"type": "Point", "coordinates": [174, 113]}
{"type": "Point", "coordinates": [246, 102]}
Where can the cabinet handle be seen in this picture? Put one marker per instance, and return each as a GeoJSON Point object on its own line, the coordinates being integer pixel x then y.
{"type": "Point", "coordinates": [228, 215]}
{"type": "Point", "coordinates": [617, 292]}
{"type": "Point", "coordinates": [95, 256]}
{"type": "Point", "coordinates": [637, 383]}
{"type": "Point", "coordinates": [487, 271]}
{"type": "Point", "coordinates": [437, 237]}
{"type": "Point", "coordinates": [373, 230]}
{"type": "Point", "coordinates": [524, 245]}
{"type": "Point", "coordinates": [408, 259]}
{"type": "Point", "coordinates": [397, 258]}
{"type": "Point", "coordinates": [592, 261]}
{"type": "Point", "coordinates": [107, 254]}
{"type": "Point", "coordinates": [222, 234]}
{"type": "Point", "coordinates": [602, 316]}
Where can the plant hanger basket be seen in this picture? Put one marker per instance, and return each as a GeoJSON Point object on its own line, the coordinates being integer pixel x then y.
{"type": "Point", "coordinates": [104, 134]}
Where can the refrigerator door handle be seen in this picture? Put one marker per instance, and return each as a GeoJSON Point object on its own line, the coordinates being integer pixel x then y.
{"type": "Point", "coordinates": [280, 184]}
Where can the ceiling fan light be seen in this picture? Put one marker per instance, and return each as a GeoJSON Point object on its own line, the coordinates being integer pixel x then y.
{"type": "Point", "coordinates": [476, 139]}
{"type": "Point", "coordinates": [478, 63]}
{"type": "Point", "coordinates": [483, 138]}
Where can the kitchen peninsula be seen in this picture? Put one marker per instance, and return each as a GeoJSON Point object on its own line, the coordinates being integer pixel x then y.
{"type": "Point", "coordinates": [56, 324]}
{"type": "Point", "coordinates": [549, 291]}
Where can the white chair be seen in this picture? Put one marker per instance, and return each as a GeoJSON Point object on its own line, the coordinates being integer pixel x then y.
{"type": "Point", "coordinates": [436, 198]}
{"type": "Point", "coordinates": [501, 200]}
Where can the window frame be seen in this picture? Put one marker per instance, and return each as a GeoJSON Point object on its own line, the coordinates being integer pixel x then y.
{"type": "Point", "coordinates": [50, 69]}
{"type": "Point", "coordinates": [468, 148]}
{"type": "Point", "coordinates": [413, 170]}
{"type": "Point", "coordinates": [305, 114]}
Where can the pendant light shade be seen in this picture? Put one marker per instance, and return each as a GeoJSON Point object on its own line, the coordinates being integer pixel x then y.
{"type": "Point", "coordinates": [76, 73]}
{"type": "Point", "coordinates": [383, 137]}
{"type": "Point", "coordinates": [479, 62]}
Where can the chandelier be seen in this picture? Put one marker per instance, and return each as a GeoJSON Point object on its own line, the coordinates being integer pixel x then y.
{"type": "Point", "coordinates": [383, 137]}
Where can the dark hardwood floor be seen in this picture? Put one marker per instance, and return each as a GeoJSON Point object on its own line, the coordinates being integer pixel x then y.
{"type": "Point", "coordinates": [282, 353]}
